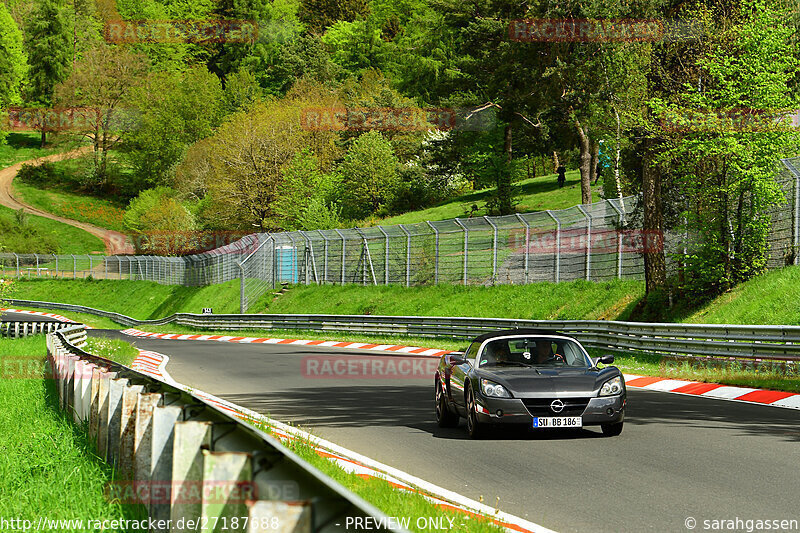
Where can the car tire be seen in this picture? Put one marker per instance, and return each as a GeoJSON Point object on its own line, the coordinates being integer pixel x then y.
{"type": "Point", "coordinates": [475, 429]}
{"type": "Point", "coordinates": [444, 418]}
{"type": "Point", "coordinates": [612, 430]}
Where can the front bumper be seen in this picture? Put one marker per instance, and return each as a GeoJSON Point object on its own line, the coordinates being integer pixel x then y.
{"type": "Point", "coordinates": [512, 411]}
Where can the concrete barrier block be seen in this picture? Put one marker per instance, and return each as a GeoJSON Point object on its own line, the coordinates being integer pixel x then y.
{"type": "Point", "coordinates": [162, 445]}
{"type": "Point", "coordinates": [130, 397]}
{"type": "Point", "coordinates": [187, 471]}
{"type": "Point", "coordinates": [115, 390]}
{"type": "Point", "coordinates": [279, 517]}
{"type": "Point", "coordinates": [227, 485]}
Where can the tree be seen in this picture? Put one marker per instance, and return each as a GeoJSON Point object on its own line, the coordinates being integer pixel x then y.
{"type": "Point", "coordinates": [245, 163]}
{"type": "Point", "coordinates": [182, 108]}
{"type": "Point", "coordinates": [317, 15]}
{"type": "Point", "coordinates": [13, 63]}
{"type": "Point", "coordinates": [153, 217]}
{"type": "Point", "coordinates": [49, 52]}
{"type": "Point", "coordinates": [369, 176]}
{"type": "Point", "coordinates": [100, 83]}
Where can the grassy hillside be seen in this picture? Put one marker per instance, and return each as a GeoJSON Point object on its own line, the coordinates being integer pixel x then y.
{"type": "Point", "coordinates": [141, 299]}
{"type": "Point", "coordinates": [72, 205]}
{"type": "Point", "coordinates": [535, 194]}
{"type": "Point", "coordinates": [42, 235]}
{"type": "Point", "coordinates": [21, 147]}
{"type": "Point", "coordinates": [772, 298]}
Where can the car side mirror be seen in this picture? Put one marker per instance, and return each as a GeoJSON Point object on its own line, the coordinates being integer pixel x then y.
{"type": "Point", "coordinates": [454, 359]}
{"type": "Point", "coordinates": [605, 359]}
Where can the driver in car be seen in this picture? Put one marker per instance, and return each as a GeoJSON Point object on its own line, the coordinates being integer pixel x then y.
{"type": "Point", "coordinates": [544, 353]}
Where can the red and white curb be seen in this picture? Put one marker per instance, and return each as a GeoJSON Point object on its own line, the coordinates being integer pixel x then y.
{"type": "Point", "coordinates": [60, 318]}
{"type": "Point", "coordinates": [772, 398]}
{"type": "Point", "coordinates": [153, 364]}
{"type": "Point", "coordinates": [413, 350]}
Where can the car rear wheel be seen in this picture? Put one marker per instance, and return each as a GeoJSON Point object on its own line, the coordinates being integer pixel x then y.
{"type": "Point", "coordinates": [444, 418]}
{"type": "Point", "coordinates": [475, 429]}
{"type": "Point", "coordinates": [612, 430]}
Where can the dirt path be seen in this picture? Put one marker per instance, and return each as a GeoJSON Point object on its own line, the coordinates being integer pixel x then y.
{"type": "Point", "coordinates": [115, 242]}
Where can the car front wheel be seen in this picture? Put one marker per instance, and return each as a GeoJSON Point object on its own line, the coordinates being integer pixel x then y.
{"type": "Point", "coordinates": [475, 429]}
{"type": "Point", "coordinates": [612, 430]}
{"type": "Point", "coordinates": [444, 418]}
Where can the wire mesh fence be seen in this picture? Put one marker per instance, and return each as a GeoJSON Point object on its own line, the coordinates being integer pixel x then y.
{"type": "Point", "coordinates": [593, 242]}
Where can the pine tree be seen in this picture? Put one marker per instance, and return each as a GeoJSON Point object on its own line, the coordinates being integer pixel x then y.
{"type": "Point", "coordinates": [47, 42]}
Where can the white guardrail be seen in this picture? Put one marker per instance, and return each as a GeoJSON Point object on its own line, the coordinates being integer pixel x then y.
{"type": "Point", "coordinates": [712, 340]}
{"type": "Point", "coordinates": [24, 328]}
{"type": "Point", "coordinates": [186, 459]}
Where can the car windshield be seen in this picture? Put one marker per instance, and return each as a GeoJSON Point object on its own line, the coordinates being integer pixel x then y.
{"type": "Point", "coordinates": [533, 352]}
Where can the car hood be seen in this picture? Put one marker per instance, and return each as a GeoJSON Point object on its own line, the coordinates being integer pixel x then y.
{"type": "Point", "coordinates": [526, 383]}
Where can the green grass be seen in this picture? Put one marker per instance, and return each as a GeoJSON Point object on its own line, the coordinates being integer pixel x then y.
{"type": "Point", "coordinates": [48, 467]}
{"type": "Point", "coordinates": [72, 205]}
{"type": "Point", "coordinates": [67, 239]}
{"type": "Point", "coordinates": [539, 301]}
{"type": "Point", "coordinates": [120, 351]}
{"type": "Point", "coordinates": [771, 298]}
{"type": "Point", "coordinates": [21, 146]}
{"type": "Point", "coordinates": [534, 194]}
{"type": "Point", "coordinates": [138, 299]}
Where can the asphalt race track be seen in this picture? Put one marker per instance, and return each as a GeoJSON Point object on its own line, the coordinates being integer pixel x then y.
{"type": "Point", "coordinates": [25, 317]}
{"type": "Point", "coordinates": [678, 457]}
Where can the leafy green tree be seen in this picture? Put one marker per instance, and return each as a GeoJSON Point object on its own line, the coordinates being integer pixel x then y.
{"type": "Point", "coordinates": [178, 109]}
{"type": "Point", "coordinates": [47, 42]}
{"type": "Point", "coordinates": [13, 62]}
{"type": "Point", "coordinates": [308, 196]}
{"type": "Point", "coordinates": [154, 218]}
{"type": "Point", "coordinates": [317, 15]}
{"type": "Point", "coordinates": [370, 177]}
{"type": "Point", "coordinates": [242, 92]}
{"type": "Point", "coordinates": [725, 168]}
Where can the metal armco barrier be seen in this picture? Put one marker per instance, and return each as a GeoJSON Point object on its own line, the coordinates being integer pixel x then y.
{"type": "Point", "coordinates": [185, 459]}
{"type": "Point", "coordinates": [740, 341]}
{"type": "Point", "coordinates": [23, 329]}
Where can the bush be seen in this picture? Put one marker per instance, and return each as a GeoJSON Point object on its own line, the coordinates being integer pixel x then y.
{"type": "Point", "coordinates": [154, 217]}
{"type": "Point", "coordinates": [38, 175]}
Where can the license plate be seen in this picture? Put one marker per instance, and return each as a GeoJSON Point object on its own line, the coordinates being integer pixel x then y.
{"type": "Point", "coordinates": [558, 422]}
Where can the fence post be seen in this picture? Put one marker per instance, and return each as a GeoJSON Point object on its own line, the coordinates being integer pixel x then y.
{"type": "Point", "coordinates": [796, 218]}
{"type": "Point", "coordinates": [105, 265]}
{"type": "Point", "coordinates": [619, 238]}
{"type": "Point", "coordinates": [494, 248]}
{"type": "Point", "coordinates": [588, 241]}
{"type": "Point", "coordinates": [466, 244]}
{"type": "Point", "coordinates": [18, 272]}
{"type": "Point", "coordinates": [90, 265]}
{"type": "Point", "coordinates": [343, 257]}
{"type": "Point", "coordinates": [324, 259]}
{"type": "Point", "coordinates": [242, 302]}
{"type": "Point", "coordinates": [436, 258]}
{"type": "Point", "coordinates": [408, 254]}
{"type": "Point", "coordinates": [37, 264]}
{"type": "Point", "coordinates": [385, 256]}
{"type": "Point", "coordinates": [74, 266]}
{"type": "Point", "coordinates": [558, 245]}
{"type": "Point", "coordinates": [527, 243]}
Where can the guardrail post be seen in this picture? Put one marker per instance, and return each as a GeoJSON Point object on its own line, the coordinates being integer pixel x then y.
{"type": "Point", "coordinates": [436, 253]}
{"type": "Point", "coordinates": [558, 245]}
{"type": "Point", "coordinates": [494, 248]}
{"type": "Point", "coordinates": [466, 245]}
{"type": "Point", "coordinates": [527, 243]}
{"type": "Point", "coordinates": [588, 241]}
{"type": "Point", "coordinates": [187, 469]}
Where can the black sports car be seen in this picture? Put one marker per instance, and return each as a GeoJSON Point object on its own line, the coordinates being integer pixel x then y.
{"type": "Point", "coordinates": [533, 378]}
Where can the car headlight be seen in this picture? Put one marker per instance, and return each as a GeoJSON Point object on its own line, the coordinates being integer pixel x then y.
{"type": "Point", "coordinates": [493, 390]}
{"type": "Point", "coordinates": [611, 387]}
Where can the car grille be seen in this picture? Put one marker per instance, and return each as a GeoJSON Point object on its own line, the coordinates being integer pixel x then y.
{"type": "Point", "coordinates": [541, 406]}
